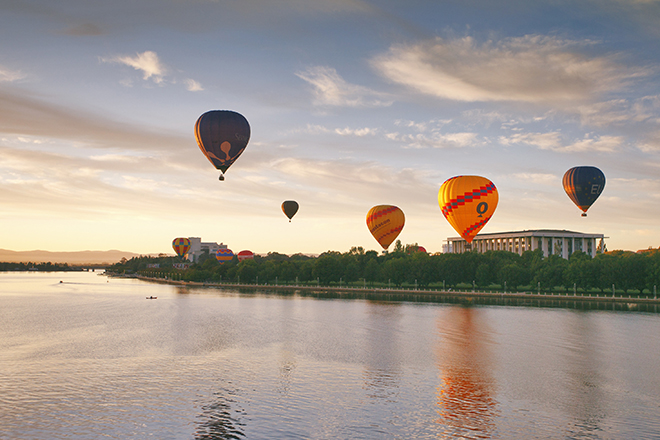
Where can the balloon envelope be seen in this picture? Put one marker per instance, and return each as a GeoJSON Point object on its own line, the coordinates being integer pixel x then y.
{"type": "Point", "coordinates": [583, 185]}
{"type": "Point", "coordinates": [181, 246]}
{"type": "Point", "coordinates": [245, 255]}
{"type": "Point", "coordinates": [468, 202]}
{"type": "Point", "coordinates": [224, 255]}
{"type": "Point", "coordinates": [385, 222]}
{"type": "Point", "coordinates": [222, 135]}
{"type": "Point", "coordinates": [289, 208]}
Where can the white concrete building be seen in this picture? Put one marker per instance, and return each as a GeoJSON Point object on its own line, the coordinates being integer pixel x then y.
{"type": "Point", "coordinates": [197, 248]}
{"type": "Point", "coordinates": [550, 241]}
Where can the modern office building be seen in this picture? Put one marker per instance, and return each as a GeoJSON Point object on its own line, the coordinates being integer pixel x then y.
{"type": "Point", "coordinates": [198, 247]}
{"type": "Point", "coordinates": [550, 241]}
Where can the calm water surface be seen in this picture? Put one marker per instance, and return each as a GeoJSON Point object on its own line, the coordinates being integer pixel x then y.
{"type": "Point", "coordinates": [91, 358]}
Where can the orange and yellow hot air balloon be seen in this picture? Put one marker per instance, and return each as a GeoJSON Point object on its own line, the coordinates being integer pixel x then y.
{"type": "Point", "coordinates": [385, 222]}
{"type": "Point", "coordinates": [468, 202]}
{"type": "Point", "coordinates": [224, 255]}
{"type": "Point", "coordinates": [181, 246]}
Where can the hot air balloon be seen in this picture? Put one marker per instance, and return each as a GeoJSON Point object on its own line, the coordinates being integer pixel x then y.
{"type": "Point", "coordinates": [245, 255]}
{"type": "Point", "coordinates": [181, 246]}
{"type": "Point", "coordinates": [583, 185]}
{"type": "Point", "coordinates": [289, 208]}
{"type": "Point", "coordinates": [468, 202]}
{"type": "Point", "coordinates": [222, 135]}
{"type": "Point", "coordinates": [224, 255]}
{"type": "Point", "coordinates": [385, 222]}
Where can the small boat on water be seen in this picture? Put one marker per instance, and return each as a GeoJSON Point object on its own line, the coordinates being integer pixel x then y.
{"type": "Point", "coordinates": [152, 297]}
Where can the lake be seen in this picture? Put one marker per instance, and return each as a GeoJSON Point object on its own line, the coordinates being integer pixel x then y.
{"type": "Point", "coordinates": [84, 356]}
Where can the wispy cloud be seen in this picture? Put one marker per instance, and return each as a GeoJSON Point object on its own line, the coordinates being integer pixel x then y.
{"type": "Point", "coordinates": [359, 132]}
{"type": "Point", "coordinates": [533, 68]}
{"type": "Point", "coordinates": [436, 140]}
{"type": "Point", "coordinates": [83, 30]}
{"type": "Point", "coordinates": [554, 141]}
{"type": "Point", "coordinates": [331, 89]}
{"type": "Point", "coordinates": [146, 62]}
{"type": "Point", "coordinates": [621, 111]}
{"type": "Point", "coordinates": [7, 75]}
{"type": "Point", "coordinates": [192, 85]}
{"type": "Point", "coordinates": [537, 178]}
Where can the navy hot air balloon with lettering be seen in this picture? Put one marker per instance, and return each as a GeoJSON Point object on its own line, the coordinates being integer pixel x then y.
{"type": "Point", "coordinates": [583, 185]}
{"type": "Point", "coordinates": [222, 135]}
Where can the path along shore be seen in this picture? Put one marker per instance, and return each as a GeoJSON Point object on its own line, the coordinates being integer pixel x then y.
{"type": "Point", "coordinates": [400, 292]}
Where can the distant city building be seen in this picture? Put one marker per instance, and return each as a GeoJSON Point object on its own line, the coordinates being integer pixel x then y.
{"type": "Point", "coordinates": [550, 241]}
{"type": "Point", "coordinates": [198, 248]}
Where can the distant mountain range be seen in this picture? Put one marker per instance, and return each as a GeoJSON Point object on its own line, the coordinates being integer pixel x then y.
{"type": "Point", "coordinates": [73, 258]}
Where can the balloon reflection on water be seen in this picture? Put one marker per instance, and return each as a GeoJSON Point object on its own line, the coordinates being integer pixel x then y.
{"type": "Point", "coordinates": [466, 405]}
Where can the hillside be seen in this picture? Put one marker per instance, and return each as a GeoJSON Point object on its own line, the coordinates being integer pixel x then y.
{"type": "Point", "coordinates": [73, 258]}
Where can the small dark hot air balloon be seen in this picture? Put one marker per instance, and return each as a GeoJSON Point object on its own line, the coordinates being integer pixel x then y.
{"type": "Point", "coordinates": [583, 185]}
{"type": "Point", "coordinates": [289, 208]}
{"type": "Point", "coordinates": [222, 135]}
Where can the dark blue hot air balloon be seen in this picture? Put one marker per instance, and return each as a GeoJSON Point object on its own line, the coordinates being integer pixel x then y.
{"type": "Point", "coordinates": [583, 185]}
{"type": "Point", "coordinates": [222, 135]}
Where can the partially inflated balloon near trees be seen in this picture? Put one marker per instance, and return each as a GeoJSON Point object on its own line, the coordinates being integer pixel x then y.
{"type": "Point", "coordinates": [468, 202]}
{"type": "Point", "coordinates": [583, 185]}
{"type": "Point", "coordinates": [385, 222]}
{"type": "Point", "coordinates": [222, 135]}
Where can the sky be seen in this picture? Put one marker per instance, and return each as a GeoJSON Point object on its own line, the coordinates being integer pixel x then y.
{"type": "Point", "coordinates": [351, 104]}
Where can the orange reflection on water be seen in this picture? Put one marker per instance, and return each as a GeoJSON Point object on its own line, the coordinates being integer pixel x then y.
{"type": "Point", "coordinates": [466, 404]}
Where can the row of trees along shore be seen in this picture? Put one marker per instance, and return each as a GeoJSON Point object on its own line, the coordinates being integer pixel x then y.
{"type": "Point", "coordinates": [42, 267]}
{"type": "Point", "coordinates": [623, 272]}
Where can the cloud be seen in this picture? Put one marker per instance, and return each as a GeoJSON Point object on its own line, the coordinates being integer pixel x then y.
{"type": "Point", "coordinates": [554, 141]}
{"type": "Point", "coordinates": [147, 62]}
{"type": "Point", "coordinates": [621, 111]}
{"type": "Point", "coordinates": [332, 90]}
{"type": "Point", "coordinates": [537, 178]}
{"type": "Point", "coordinates": [192, 85]}
{"type": "Point", "coordinates": [83, 30]}
{"type": "Point", "coordinates": [533, 68]}
{"type": "Point", "coordinates": [25, 115]}
{"type": "Point", "coordinates": [436, 140]}
{"type": "Point", "coordinates": [10, 75]}
{"type": "Point", "coordinates": [359, 132]}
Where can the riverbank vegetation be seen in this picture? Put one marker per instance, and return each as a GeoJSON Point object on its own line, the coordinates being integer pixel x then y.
{"type": "Point", "coordinates": [618, 271]}
{"type": "Point", "coordinates": [41, 267]}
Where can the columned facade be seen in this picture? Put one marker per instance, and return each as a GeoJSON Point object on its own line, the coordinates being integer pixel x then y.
{"type": "Point", "coordinates": [550, 241]}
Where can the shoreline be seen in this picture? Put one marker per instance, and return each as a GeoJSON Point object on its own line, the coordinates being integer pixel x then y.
{"type": "Point", "coordinates": [404, 292]}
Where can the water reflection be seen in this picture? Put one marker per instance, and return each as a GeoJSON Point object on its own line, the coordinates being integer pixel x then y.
{"type": "Point", "coordinates": [466, 404]}
{"type": "Point", "coordinates": [584, 363]}
{"type": "Point", "coordinates": [382, 365]}
{"type": "Point", "coordinates": [217, 422]}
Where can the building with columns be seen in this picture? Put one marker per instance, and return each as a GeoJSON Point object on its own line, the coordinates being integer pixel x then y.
{"type": "Point", "coordinates": [550, 241]}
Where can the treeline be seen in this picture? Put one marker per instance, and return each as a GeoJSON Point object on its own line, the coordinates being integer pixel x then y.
{"type": "Point", "coordinates": [404, 266]}
{"type": "Point", "coordinates": [42, 267]}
